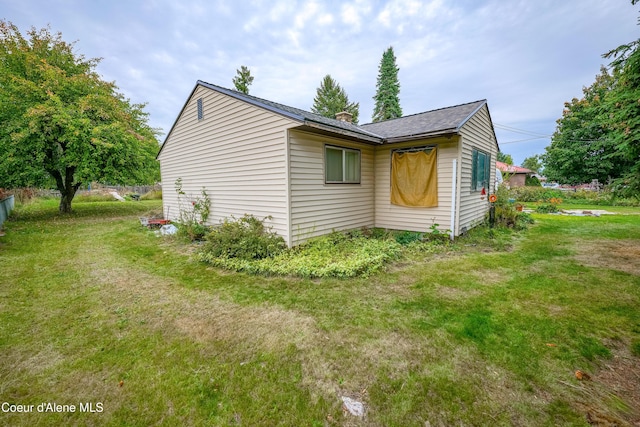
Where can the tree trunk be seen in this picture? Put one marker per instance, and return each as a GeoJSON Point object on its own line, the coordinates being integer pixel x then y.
{"type": "Point", "coordinates": [65, 200]}
{"type": "Point", "coordinates": [67, 188]}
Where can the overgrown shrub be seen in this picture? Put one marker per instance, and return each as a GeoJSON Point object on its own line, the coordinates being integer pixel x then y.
{"type": "Point", "coordinates": [245, 238]}
{"type": "Point", "coordinates": [333, 255]}
{"type": "Point", "coordinates": [532, 181]}
{"type": "Point", "coordinates": [406, 237]}
{"type": "Point", "coordinates": [506, 214]}
{"type": "Point", "coordinates": [193, 213]}
{"type": "Point", "coordinates": [549, 207]}
{"type": "Point", "coordinates": [533, 194]}
{"type": "Point", "coordinates": [577, 196]}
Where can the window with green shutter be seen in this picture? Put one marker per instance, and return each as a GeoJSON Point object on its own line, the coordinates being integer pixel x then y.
{"type": "Point", "coordinates": [480, 170]}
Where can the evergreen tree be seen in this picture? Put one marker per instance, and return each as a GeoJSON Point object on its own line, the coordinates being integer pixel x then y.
{"type": "Point", "coordinates": [624, 112]}
{"type": "Point", "coordinates": [332, 99]}
{"type": "Point", "coordinates": [387, 104]}
{"type": "Point", "coordinates": [243, 80]}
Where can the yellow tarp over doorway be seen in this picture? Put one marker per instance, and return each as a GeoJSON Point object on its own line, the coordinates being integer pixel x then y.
{"type": "Point", "coordinates": [414, 179]}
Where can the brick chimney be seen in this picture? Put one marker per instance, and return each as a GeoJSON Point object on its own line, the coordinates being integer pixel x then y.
{"type": "Point", "coordinates": [344, 116]}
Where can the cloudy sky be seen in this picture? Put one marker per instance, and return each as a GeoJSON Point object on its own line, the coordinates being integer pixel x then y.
{"type": "Point", "coordinates": [525, 57]}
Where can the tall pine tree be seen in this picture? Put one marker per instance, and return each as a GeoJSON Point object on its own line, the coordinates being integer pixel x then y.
{"type": "Point", "coordinates": [387, 89]}
{"type": "Point", "coordinates": [332, 99]}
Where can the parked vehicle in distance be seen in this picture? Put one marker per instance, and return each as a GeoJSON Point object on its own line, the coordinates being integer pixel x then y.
{"type": "Point", "coordinates": [551, 185]}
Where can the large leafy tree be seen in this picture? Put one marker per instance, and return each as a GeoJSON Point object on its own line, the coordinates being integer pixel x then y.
{"type": "Point", "coordinates": [61, 123]}
{"type": "Point", "coordinates": [598, 136]}
{"type": "Point", "coordinates": [582, 147]}
{"type": "Point", "coordinates": [624, 111]}
{"type": "Point", "coordinates": [243, 79]}
{"type": "Point", "coordinates": [387, 105]}
{"type": "Point", "coordinates": [331, 99]}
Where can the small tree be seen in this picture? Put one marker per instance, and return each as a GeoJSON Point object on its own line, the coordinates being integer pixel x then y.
{"type": "Point", "coordinates": [387, 99]}
{"type": "Point", "coordinates": [533, 163]}
{"type": "Point", "coordinates": [243, 80]}
{"type": "Point", "coordinates": [332, 99]}
{"type": "Point", "coordinates": [59, 119]}
{"type": "Point", "coordinates": [505, 158]}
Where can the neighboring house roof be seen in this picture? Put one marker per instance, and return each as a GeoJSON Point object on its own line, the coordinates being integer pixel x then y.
{"type": "Point", "coordinates": [430, 123]}
{"type": "Point", "coordinates": [442, 121]}
{"type": "Point", "coordinates": [512, 169]}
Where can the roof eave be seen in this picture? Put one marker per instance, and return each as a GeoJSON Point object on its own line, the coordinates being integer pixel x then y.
{"type": "Point", "coordinates": [435, 134]}
{"type": "Point", "coordinates": [237, 95]}
{"type": "Point", "coordinates": [346, 132]}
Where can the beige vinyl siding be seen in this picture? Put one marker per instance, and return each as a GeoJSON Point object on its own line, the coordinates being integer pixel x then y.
{"type": "Point", "coordinates": [318, 208]}
{"type": "Point", "coordinates": [237, 153]}
{"type": "Point", "coordinates": [476, 133]}
{"type": "Point", "coordinates": [418, 218]}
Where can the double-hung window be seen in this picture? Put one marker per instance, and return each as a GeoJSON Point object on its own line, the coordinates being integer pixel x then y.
{"type": "Point", "coordinates": [480, 170]}
{"type": "Point", "coordinates": [341, 165]}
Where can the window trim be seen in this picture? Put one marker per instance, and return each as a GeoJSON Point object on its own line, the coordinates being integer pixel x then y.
{"type": "Point", "coordinates": [477, 186]}
{"type": "Point", "coordinates": [343, 150]}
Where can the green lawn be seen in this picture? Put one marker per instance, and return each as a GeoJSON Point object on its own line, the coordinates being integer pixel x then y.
{"type": "Point", "coordinates": [95, 309]}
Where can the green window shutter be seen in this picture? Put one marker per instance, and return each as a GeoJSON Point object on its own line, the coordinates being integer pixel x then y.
{"type": "Point", "coordinates": [487, 171]}
{"type": "Point", "coordinates": [474, 170]}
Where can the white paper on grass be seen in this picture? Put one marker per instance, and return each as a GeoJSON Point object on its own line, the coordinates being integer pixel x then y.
{"type": "Point", "coordinates": [353, 406]}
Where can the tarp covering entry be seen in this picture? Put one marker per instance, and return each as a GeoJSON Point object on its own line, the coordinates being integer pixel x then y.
{"type": "Point", "coordinates": [414, 179]}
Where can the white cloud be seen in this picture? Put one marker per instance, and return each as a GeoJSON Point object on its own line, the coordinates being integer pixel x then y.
{"type": "Point", "coordinates": [351, 17]}
{"type": "Point", "coordinates": [163, 57]}
{"type": "Point", "coordinates": [399, 14]}
{"type": "Point", "coordinates": [280, 10]}
{"type": "Point", "coordinates": [325, 19]}
{"type": "Point", "coordinates": [306, 13]}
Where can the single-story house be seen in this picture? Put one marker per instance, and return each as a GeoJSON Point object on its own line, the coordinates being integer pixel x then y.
{"type": "Point", "coordinates": [515, 176]}
{"type": "Point", "coordinates": [311, 175]}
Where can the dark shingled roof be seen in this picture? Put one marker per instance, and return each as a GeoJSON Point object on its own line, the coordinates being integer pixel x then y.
{"type": "Point", "coordinates": [434, 122]}
{"type": "Point", "coordinates": [291, 112]}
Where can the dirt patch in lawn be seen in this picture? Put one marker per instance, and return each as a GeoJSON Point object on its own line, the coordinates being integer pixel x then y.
{"type": "Point", "coordinates": [617, 384]}
{"type": "Point", "coordinates": [202, 316]}
{"type": "Point", "coordinates": [621, 255]}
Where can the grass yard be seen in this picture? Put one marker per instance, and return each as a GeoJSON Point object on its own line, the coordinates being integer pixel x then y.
{"type": "Point", "coordinates": [96, 310]}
